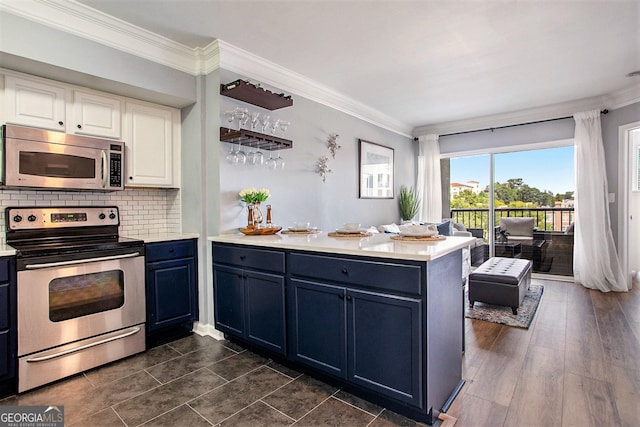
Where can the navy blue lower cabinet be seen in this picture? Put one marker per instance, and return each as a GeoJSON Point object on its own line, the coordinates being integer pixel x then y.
{"type": "Point", "coordinates": [317, 326]}
{"type": "Point", "coordinates": [388, 330]}
{"type": "Point", "coordinates": [228, 294]}
{"type": "Point", "coordinates": [171, 284]}
{"type": "Point", "coordinates": [384, 345]}
{"type": "Point", "coordinates": [371, 339]}
{"type": "Point", "coordinates": [265, 304]}
{"type": "Point", "coordinates": [248, 303]}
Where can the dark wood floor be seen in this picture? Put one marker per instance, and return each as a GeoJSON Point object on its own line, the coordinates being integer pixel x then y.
{"type": "Point", "coordinates": [577, 365]}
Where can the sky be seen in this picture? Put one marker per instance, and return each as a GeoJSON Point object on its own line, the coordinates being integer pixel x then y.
{"type": "Point", "coordinates": [550, 169]}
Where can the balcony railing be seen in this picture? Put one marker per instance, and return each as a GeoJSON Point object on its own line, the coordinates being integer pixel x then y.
{"type": "Point", "coordinates": [546, 219]}
{"type": "Point", "coordinates": [555, 248]}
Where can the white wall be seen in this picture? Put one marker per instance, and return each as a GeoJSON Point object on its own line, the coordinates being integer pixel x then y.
{"type": "Point", "coordinates": [298, 192]}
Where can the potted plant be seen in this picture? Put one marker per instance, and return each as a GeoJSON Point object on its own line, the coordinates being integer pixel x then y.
{"type": "Point", "coordinates": [409, 203]}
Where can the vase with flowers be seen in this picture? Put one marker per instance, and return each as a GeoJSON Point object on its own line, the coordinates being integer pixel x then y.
{"type": "Point", "coordinates": [253, 198]}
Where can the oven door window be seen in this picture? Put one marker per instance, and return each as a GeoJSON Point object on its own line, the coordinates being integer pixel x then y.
{"type": "Point", "coordinates": [54, 165]}
{"type": "Point", "coordinates": [85, 294]}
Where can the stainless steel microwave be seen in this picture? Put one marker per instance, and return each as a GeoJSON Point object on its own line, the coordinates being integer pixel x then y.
{"type": "Point", "coordinates": [39, 158]}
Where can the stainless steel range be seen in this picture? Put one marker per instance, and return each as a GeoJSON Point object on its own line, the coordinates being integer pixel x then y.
{"type": "Point", "coordinates": [81, 291]}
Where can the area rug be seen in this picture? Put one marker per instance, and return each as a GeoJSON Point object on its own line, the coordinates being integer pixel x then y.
{"type": "Point", "coordinates": [504, 315]}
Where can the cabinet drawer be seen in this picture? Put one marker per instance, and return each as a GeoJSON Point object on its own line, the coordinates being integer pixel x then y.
{"type": "Point", "coordinates": [260, 259]}
{"type": "Point", "coordinates": [4, 269]}
{"type": "Point", "coordinates": [170, 250]}
{"type": "Point", "coordinates": [4, 305]}
{"type": "Point", "coordinates": [385, 276]}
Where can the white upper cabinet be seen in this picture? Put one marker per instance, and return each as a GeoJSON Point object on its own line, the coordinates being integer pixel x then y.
{"type": "Point", "coordinates": [151, 132]}
{"type": "Point", "coordinates": [96, 115]}
{"type": "Point", "coordinates": [152, 144]}
{"type": "Point", "coordinates": [32, 103]}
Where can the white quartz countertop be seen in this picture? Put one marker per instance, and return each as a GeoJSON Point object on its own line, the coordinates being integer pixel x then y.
{"type": "Point", "coordinates": [378, 245]}
{"type": "Point", "coordinates": [6, 250]}
{"type": "Point", "coordinates": [163, 237]}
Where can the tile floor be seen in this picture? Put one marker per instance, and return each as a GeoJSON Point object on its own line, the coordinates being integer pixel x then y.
{"type": "Point", "coordinates": [198, 381]}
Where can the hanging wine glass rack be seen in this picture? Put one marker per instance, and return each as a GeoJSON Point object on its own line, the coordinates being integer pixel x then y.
{"type": "Point", "coordinates": [253, 139]}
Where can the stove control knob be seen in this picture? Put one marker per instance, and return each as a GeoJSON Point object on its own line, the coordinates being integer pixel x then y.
{"type": "Point", "coordinates": [31, 218]}
{"type": "Point", "coordinates": [112, 216]}
{"type": "Point", "coordinates": [17, 218]}
{"type": "Point", "coordinates": [102, 216]}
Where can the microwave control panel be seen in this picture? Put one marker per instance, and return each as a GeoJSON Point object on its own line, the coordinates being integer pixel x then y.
{"type": "Point", "coordinates": [115, 170]}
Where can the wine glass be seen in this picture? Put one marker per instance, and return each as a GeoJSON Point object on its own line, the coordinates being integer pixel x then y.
{"type": "Point", "coordinates": [270, 163]}
{"type": "Point", "coordinates": [264, 121]}
{"type": "Point", "coordinates": [255, 157]}
{"type": "Point", "coordinates": [284, 125]}
{"type": "Point", "coordinates": [279, 162]}
{"type": "Point", "coordinates": [274, 126]}
{"type": "Point", "coordinates": [241, 156]}
{"type": "Point", "coordinates": [255, 116]}
{"type": "Point", "coordinates": [231, 116]}
{"type": "Point", "coordinates": [242, 114]}
{"type": "Point", "coordinates": [231, 157]}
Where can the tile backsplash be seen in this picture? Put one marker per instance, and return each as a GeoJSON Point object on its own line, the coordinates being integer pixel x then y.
{"type": "Point", "coordinates": [142, 211]}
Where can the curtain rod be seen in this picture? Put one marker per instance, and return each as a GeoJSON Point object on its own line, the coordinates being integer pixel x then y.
{"type": "Point", "coordinates": [605, 111]}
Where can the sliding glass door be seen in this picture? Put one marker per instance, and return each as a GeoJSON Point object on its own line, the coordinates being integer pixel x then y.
{"type": "Point", "coordinates": [523, 203]}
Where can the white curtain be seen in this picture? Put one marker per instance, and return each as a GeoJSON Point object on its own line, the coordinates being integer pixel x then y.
{"type": "Point", "coordinates": [429, 185]}
{"type": "Point", "coordinates": [595, 264]}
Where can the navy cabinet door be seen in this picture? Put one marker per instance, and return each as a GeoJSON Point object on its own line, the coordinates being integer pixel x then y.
{"type": "Point", "coordinates": [172, 292]}
{"type": "Point", "coordinates": [8, 327]}
{"type": "Point", "coordinates": [318, 322]}
{"type": "Point", "coordinates": [5, 354]}
{"type": "Point", "coordinates": [265, 320]}
{"type": "Point", "coordinates": [228, 299]}
{"type": "Point", "coordinates": [384, 345]}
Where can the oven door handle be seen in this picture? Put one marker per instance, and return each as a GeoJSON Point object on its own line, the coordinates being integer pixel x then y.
{"type": "Point", "coordinates": [127, 333]}
{"type": "Point", "coordinates": [80, 261]}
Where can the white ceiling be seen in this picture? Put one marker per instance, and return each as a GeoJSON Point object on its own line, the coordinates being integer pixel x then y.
{"type": "Point", "coordinates": [420, 62]}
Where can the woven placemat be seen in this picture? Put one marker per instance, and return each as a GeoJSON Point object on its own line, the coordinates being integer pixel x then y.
{"type": "Point", "coordinates": [349, 235]}
{"type": "Point", "coordinates": [300, 232]}
{"type": "Point", "coordinates": [418, 238]}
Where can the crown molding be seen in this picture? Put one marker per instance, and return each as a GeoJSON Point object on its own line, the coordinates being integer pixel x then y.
{"type": "Point", "coordinates": [247, 64]}
{"type": "Point", "coordinates": [565, 109]}
{"type": "Point", "coordinates": [87, 23]}
{"type": "Point", "coordinates": [83, 21]}
{"type": "Point", "coordinates": [623, 97]}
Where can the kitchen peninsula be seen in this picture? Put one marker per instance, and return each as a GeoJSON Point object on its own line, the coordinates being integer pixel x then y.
{"type": "Point", "coordinates": [381, 317]}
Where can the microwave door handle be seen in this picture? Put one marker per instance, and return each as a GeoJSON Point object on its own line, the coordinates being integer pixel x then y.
{"type": "Point", "coordinates": [103, 154]}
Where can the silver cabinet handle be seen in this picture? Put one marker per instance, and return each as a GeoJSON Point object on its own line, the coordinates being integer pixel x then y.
{"type": "Point", "coordinates": [127, 333]}
{"type": "Point", "coordinates": [80, 261]}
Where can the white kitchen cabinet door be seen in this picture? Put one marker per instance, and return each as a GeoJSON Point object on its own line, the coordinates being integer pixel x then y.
{"type": "Point", "coordinates": [96, 115]}
{"type": "Point", "coordinates": [32, 103]}
{"type": "Point", "coordinates": [150, 146]}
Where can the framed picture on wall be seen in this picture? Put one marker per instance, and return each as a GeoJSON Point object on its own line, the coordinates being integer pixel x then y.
{"type": "Point", "coordinates": [376, 171]}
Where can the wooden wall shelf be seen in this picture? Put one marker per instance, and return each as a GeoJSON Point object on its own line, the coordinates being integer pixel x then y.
{"type": "Point", "coordinates": [253, 139]}
{"type": "Point", "coordinates": [247, 92]}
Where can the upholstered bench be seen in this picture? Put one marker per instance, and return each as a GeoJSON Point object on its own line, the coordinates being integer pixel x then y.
{"type": "Point", "coordinates": [500, 281]}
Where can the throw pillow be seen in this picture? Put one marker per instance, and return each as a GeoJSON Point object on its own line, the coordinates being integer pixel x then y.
{"type": "Point", "coordinates": [459, 226]}
{"type": "Point", "coordinates": [518, 226]}
{"type": "Point", "coordinates": [444, 228]}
